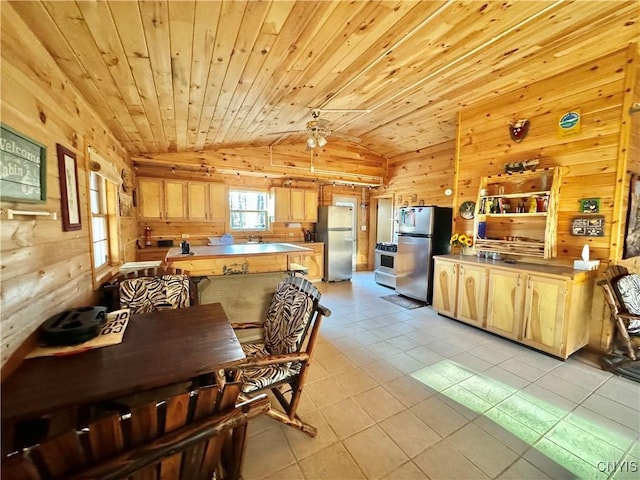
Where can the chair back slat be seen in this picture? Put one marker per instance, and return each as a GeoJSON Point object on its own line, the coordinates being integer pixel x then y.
{"type": "Point", "coordinates": [136, 446]}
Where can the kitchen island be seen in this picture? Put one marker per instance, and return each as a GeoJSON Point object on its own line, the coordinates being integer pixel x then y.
{"type": "Point", "coordinates": [242, 258]}
{"type": "Point", "coordinates": [242, 277]}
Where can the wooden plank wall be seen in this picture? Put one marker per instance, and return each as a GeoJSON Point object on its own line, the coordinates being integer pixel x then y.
{"type": "Point", "coordinates": [45, 270]}
{"type": "Point", "coordinates": [595, 162]}
{"type": "Point", "coordinates": [423, 175]}
{"type": "Point", "coordinates": [590, 159]}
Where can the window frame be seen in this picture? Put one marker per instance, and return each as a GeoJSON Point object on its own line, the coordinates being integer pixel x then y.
{"type": "Point", "coordinates": [266, 211]}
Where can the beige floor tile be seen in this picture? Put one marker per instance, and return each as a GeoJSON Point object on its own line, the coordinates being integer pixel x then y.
{"type": "Point", "coordinates": [383, 372]}
{"type": "Point", "coordinates": [374, 452]}
{"type": "Point", "coordinates": [316, 372]}
{"type": "Point", "coordinates": [346, 417]}
{"type": "Point", "coordinates": [266, 452]}
{"type": "Point", "coordinates": [523, 470]}
{"type": "Point", "coordinates": [443, 419]}
{"type": "Point", "coordinates": [331, 463]}
{"type": "Point", "coordinates": [378, 403]}
{"type": "Point", "coordinates": [408, 471]}
{"type": "Point", "coordinates": [336, 363]}
{"type": "Point", "coordinates": [410, 433]}
{"type": "Point", "coordinates": [485, 451]}
{"type": "Point", "coordinates": [566, 389]}
{"type": "Point", "coordinates": [292, 472]}
{"type": "Point", "coordinates": [304, 445]}
{"type": "Point", "coordinates": [404, 362]}
{"type": "Point", "coordinates": [408, 390]}
{"type": "Point", "coordinates": [425, 355]}
{"type": "Point", "coordinates": [442, 461]}
{"type": "Point", "coordinates": [355, 381]}
{"type": "Point", "coordinates": [325, 392]}
{"type": "Point", "coordinates": [361, 355]}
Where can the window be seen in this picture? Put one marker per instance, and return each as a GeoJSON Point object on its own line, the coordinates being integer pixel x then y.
{"type": "Point", "coordinates": [99, 225]}
{"type": "Point", "coordinates": [248, 210]}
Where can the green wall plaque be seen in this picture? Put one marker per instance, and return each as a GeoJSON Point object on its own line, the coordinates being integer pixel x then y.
{"type": "Point", "coordinates": [23, 168]}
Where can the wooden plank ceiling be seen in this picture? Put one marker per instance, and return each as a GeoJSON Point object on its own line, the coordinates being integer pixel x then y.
{"type": "Point", "coordinates": [182, 76]}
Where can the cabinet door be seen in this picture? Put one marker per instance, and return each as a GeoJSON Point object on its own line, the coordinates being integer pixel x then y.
{"type": "Point", "coordinates": [296, 205]}
{"type": "Point", "coordinates": [445, 277]}
{"type": "Point", "coordinates": [151, 198]}
{"type": "Point", "coordinates": [504, 304]}
{"type": "Point", "coordinates": [281, 204]}
{"type": "Point", "coordinates": [198, 201]}
{"type": "Point", "coordinates": [311, 206]}
{"type": "Point", "coordinates": [544, 313]}
{"type": "Point", "coordinates": [219, 202]}
{"type": "Point", "coordinates": [472, 294]}
{"type": "Point", "coordinates": [175, 192]}
{"type": "Point", "coordinates": [314, 262]}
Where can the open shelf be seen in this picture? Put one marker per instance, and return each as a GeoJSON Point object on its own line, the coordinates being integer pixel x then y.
{"type": "Point", "coordinates": [513, 209]}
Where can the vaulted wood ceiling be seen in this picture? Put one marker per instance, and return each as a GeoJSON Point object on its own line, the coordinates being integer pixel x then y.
{"type": "Point", "coordinates": [197, 75]}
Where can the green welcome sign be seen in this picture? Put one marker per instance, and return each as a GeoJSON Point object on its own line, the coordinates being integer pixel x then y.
{"type": "Point", "coordinates": [23, 162]}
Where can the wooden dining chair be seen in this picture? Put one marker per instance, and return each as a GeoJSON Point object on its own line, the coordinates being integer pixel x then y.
{"type": "Point", "coordinates": [194, 435]}
{"type": "Point", "coordinates": [620, 314]}
{"type": "Point", "coordinates": [150, 289]}
{"type": "Point", "coordinates": [281, 359]}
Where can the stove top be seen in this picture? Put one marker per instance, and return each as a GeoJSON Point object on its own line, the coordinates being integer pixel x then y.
{"type": "Point", "coordinates": [387, 247]}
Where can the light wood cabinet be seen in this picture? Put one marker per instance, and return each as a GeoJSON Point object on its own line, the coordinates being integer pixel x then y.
{"type": "Point", "coordinates": [445, 287]}
{"type": "Point", "coordinates": [504, 302]}
{"type": "Point", "coordinates": [516, 214]}
{"type": "Point", "coordinates": [180, 200]}
{"type": "Point", "coordinates": [151, 192]}
{"type": "Point", "coordinates": [294, 205]}
{"type": "Point", "coordinates": [175, 199]}
{"type": "Point", "coordinates": [546, 307]}
{"type": "Point", "coordinates": [314, 262]}
{"type": "Point", "coordinates": [472, 294]}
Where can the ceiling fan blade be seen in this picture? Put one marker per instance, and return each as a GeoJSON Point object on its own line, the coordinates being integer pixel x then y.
{"type": "Point", "coordinates": [322, 123]}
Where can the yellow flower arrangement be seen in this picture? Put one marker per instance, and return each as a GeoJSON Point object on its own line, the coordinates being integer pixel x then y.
{"type": "Point", "coordinates": [461, 240]}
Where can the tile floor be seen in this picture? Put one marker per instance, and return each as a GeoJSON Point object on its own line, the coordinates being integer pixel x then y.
{"type": "Point", "coordinates": [407, 394]}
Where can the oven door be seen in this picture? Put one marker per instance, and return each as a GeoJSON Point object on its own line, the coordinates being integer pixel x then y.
{"type": "Point", "coordinates": [385, 268]}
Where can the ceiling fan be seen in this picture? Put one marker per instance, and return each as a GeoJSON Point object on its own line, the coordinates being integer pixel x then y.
{"type": "Point", "coordinates": [317, 132]}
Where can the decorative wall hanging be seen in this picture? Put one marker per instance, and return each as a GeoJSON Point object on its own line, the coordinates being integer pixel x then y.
{"type": "Point", "coordinates": [521, 166]}
{"type": "Point", "coordinates": [632, 235]}
{"type": "Point", "coordinates": [569, 124]}
{"type": "Point", "coordinates": [23, 162]}
{"type": "Point", "coordinates": [589, 205]}
{"type": "Point", "coordinates": [518, 130]}
{"type": "Point", "coordinates": [69, 196]}
{"type": "Point", "coordinates": [591, 226]}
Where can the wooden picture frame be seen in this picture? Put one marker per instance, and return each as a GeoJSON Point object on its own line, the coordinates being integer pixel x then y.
{"type": "Point", "coordinates": [632, 233]}
{"type": "Point", "coordinates": [23, 168]}
{"type": "Point", "coordinates": [69, 192]}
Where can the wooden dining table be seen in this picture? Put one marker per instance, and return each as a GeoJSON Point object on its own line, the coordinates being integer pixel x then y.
{"type": "Point", "coordinates": [159, 348]}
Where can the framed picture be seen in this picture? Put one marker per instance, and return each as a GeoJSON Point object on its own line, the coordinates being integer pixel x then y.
{"type": "Point", "coordinates": [632, 234]}
{"type": "Point", "coordinates": [589, 205]}
{"type": "Point", "coordinates": [69, 197]}
{"type": "Point", "coordinates": [23, 162]}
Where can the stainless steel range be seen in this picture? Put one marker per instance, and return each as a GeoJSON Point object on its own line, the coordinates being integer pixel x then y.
{"type": "Point", "coordinates": [385, 264]}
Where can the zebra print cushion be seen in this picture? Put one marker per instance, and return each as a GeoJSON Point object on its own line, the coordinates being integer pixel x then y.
{"type": "Point", "coordinates": [629, 290]}
{"type": "Point", "coordinates": [146, 294]}
{"type": "Point", "coordinates": [287, 319]}
{"type": "Point", "coordinates": [257, 378]}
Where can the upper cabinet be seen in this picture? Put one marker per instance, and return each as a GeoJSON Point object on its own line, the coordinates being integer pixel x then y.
{"type": "Point", "coordinates": [516, 214]}
{"type": "Point", "coordinates": [180, 200]}
{"type": "Point", "coordinates": [294, 204]}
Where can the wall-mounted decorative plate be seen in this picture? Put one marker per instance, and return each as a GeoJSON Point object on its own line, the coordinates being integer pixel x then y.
{"type": "Point", "coordinates": [467, 210]}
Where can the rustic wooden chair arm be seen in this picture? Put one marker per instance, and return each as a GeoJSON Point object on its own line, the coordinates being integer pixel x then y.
{"type": "Point", "coordinates": [125, 464]}
{"type": "Point", "coordinates": [324, 311]}
{"type": "Point", "coordinates": [276, 359]}
{"type": "Point", "coordinates": [629, 316]}
{"type": "Point", "coordinates": [247, 325]}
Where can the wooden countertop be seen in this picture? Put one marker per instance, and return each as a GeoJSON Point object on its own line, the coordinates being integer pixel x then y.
{"type": "Point", "coordinates": [519, 265]}
{"type": "Point", "coordinates": [239, 249]}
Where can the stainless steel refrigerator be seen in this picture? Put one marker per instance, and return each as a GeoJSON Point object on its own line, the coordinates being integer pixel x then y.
{"type": "Point", "coordinates": [335, 229]}
{"type": "Point", "coordinates": [422, 233]}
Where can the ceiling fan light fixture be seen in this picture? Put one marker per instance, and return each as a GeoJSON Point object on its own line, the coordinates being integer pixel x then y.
{"type": "Point", "coordinates": [321, 141]}
{"type": "Point", "coordinates": [311, 142]}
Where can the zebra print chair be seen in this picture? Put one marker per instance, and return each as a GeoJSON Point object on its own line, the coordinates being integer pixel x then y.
{"type": "Point", "coordinates": [283, 357]}
{"type": "Point", "coordinates": [151, 289]}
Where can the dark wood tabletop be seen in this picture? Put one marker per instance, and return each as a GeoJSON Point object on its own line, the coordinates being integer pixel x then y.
{"type": "Point", "coordinates": [158, 349]}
